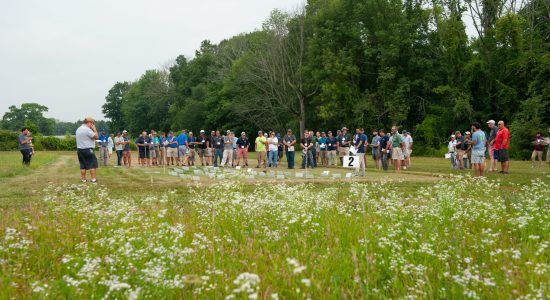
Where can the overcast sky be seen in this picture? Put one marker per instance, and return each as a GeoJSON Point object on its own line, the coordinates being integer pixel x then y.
{"type": "Point", "coordinates": [67, 54]}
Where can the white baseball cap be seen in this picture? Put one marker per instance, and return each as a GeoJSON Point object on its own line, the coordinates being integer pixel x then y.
{"type": "Point", "coordinates": [491, 122]}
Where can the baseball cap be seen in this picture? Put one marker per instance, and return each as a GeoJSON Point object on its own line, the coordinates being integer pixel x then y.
{"type": "Point", "coordinates": [202, 131]}
{"type": "Point", "coordinates": [345, 128]}
{"type": "Point", "coordinates": [452, 135]}
{"type": "Point", "coordinates": [467, 133]}
{"type": "Point", "coordinates": [243, 133]}
{"type": "Point", "coordinates": [260, 132]}
{"type": "Point", "coordinates": [491, 122]}
{"type": "Point", "coordinates": [124, 131]}
{"type": "Point", "coordinates": [228, 131]}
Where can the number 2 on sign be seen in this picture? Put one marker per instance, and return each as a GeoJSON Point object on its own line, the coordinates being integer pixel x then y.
{"type": "Point", "coordinates": [350, 161]}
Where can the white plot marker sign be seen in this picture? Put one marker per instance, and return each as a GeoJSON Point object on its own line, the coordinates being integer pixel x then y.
{"type": "Point", "coordinates": [351, 162]}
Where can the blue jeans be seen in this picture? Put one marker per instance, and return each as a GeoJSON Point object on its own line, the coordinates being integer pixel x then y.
{"type": "Point", "coordinates": [314, 156]}
{"type": "Point", "coordinates": [272, 158]}
{"type": "Point", "coordinates": [453, 161]}
{"type": "Point", "coordinates": [465, 163]}
{"type": "Point", "coordinates": [119, 157]}
{"type": "Point", "coordinates": [217, 153]}
{"type": "Point", "coordinates": [290, 159]}
{"type": "Point", "coordinates": [385, 160]}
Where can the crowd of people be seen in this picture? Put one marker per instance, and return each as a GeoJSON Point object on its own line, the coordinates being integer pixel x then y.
{"type": "Point", "coordinates": [317, 149]}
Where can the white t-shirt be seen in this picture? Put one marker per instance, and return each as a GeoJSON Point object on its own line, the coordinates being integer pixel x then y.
{"type": "Point", "coordinates": [452, 146]}
{"type": "Point", "coordinates": [85, 137]}
{"type": "Point", "coordinates": [273, 142]}
{"type": "Point", "coordinates": [119, 140]}
{"type": "Point", "coordinates": [408, 141]}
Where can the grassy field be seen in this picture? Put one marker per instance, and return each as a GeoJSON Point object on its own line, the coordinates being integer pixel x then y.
{"type": "Point", "coordinates": [428, 232]}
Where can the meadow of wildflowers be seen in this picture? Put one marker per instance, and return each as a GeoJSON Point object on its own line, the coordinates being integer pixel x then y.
{"type": "Point", "coordinates": [455, 238]}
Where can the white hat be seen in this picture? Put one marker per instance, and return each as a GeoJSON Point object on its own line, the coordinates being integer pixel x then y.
{"type": "Point", "coordinates": [491, 122]}
{"type": "Point", "coordinates": [452, 135]}
{"type": "Point", "coordinates": [124, 131]}
{"type": "Point", "coordinates": [467, 132]}
{"type": "Point", "coordinates": [202, 131]}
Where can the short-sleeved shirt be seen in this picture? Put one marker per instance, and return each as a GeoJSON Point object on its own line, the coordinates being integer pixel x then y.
{"type": "Point", "coordinates": [493, 134]}
{"type": "Point", "coordinates": [357, 140]}
{"type": "Point", "coordinates": [182, 138]}
{"type": "Point", "coordinates": [104, 140]}
{"type": "Point", "coordinates": [142, 140]}
{"type": "Point", "coordinates": [243, 143]}
{"type": "Point", "coordinates": [126, 146]}
{"type": "Point", "coordinates": [119, 139]}
{"type": "Point", "coordinates": [201, 142]}
{"type": "Point", "coordinates": [503, 134]}
{"type": "Point", "coordinates": [331, 143]}
{"type": "Point", "coordinates": [344, 139]}
{"type": "Point", "coordinates": [172, 139]}
{"type": "Point", "coordinates": [307, 141]}
{"type": "Point", "coordinates": [314, 140]}
{"type": "Point", "coordinates": [479, 138]}
{"type": "Point", "coordinates": [384, 141]}
{"type": "Point", "coordinates": [289, 138]}
{"type": "Point", "coordinates": [539, 144]}
{"type": "Point", "coordinates": [21, 139]}
{"type": "Point", "coordinates": [396, 140]}
{"type": "Point", "coordinates": [218, 142]}
{"type": "Point", "coordinates": [227, 145]}
{"type": "Point", "coordinates": [260, 143]}
{"type": "Point", "coordinates": [376, 141]}
{"type": "Point", "coordinates": [191, 139]}
{"type": "Point", "coordinates": [408, 141]}
{"type": "Point", "coordinates": [85, 137]}
{"type": "Point", "coordinates": [273, 143]}
{"type": "Point", "coordinates": [235, 139]}
{"type": "Point", "coordinates": [323, 143]}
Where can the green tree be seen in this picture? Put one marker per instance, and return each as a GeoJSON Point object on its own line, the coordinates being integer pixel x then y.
{"type": "Point", "coordinates": [112, 109]}
{"type": "Point", "coordinates": [33, 113]}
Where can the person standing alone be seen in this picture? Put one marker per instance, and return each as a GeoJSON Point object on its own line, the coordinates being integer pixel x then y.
{"type": "Point", "coordinates": [25, 143]}
{"type": "Point", "coordinates": [86, 136]}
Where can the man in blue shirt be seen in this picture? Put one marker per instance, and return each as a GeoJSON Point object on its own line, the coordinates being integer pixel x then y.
{"type": "Point", "coordinates": [360, 141]}
{"type": "Point", "coordinates": [323, 149]}
{"type": "Point", "coordinates": [182, 147]}
{"type": "Point", "coordinates": [171, 145]}
{"type": "Point", "coordinates": [103, 141]}
{"type": "Point", "coordinates": [478, 149]}
{"type": "Point", "coordinates": [143, 142]}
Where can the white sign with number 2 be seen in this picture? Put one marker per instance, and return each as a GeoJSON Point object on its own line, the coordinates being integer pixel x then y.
{"type": "Point", "coordinates": [351, 162]}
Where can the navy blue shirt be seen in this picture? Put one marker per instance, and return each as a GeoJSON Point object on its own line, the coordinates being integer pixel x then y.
{"type": "Point", "coordinates": [142, 140]}
{"type": "Point", "coordinates": [384, 142]}
{"type": "Point", "coordinates": [243, 143]}
{"type": "Point", "coordinates": [201, 142]}
{"type": "Point", "coordinates": [331, 143]}
{"type": "Point", "coordinates": [357, 139]}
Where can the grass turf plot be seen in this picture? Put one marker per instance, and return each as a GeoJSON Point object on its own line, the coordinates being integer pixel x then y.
{"type": "Point", "coordinates": [141, 234]}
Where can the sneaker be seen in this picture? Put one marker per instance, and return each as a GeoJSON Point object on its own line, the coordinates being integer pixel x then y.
{"type": "Point", "coordinates": [83, 180]}
{"type": "Point", "coordinates": [93, 181]}
{"type": "Point", "coordinates": [404, 168]}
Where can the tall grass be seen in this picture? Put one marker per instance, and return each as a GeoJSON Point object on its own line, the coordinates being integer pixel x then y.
{"type": "Point", "coordinates": [457, 238]}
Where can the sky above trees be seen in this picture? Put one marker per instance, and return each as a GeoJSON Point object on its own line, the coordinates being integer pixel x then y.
{"type": "Point", "coordinates": [67, 54]}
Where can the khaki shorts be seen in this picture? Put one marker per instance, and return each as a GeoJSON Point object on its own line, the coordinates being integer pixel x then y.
{"type": "Point", "coordinates": [343, 151]}
{"type": "Point", "coordinates": [201, 152]}
{"type": "Point", "coordinates": [172, 152]}
{"type": "Point", "coordinates": [396, 153]}
{"type": "Point", "coordinates": [261, 155]}
{"type": "Point", "coordinates": [208, 152]}
{"type": "Point", "coordinates": [460, 154]}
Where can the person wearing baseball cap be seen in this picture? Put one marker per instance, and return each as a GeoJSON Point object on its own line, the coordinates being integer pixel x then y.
{"type": "Point", "coordinates": [202, 144]}
{"type": "Point", "coordinates": [344, 141]}
{"type": "Point", "coordinates": [289, 140]}
{"type": "Point", "coordinates": [451, 150]}
{"type": "Point", "coordinates": [86, 135]}
{"type": "Point", "coordinates": [491, 143]}
{"type": "Point", "coordinates": [261, 143]}
{"type": "Point", "coordinates": [242, 149]}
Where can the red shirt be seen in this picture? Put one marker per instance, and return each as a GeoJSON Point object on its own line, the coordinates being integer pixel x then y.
{"type": "Point", "coordinates": [502, 134]}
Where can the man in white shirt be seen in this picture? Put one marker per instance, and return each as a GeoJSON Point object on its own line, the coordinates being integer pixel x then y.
{"type": "Point", "coordinates": [408, 148]}
{"type": "Point", "coordinates": [86, 136]}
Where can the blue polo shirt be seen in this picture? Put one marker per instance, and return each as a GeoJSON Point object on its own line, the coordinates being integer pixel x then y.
{"type": "Point", "coordinates": [104, 140]}
{"type": "Point", "coordinates": [358, 138]}
{"type": "Point", "coordinates": [171, 139]}
{"type": "Point", "coordinates": [322, 143]}
{"type": "Point", "coordinates": [182, 138]}
{"type": "Point", "coordinates": [331, 143]}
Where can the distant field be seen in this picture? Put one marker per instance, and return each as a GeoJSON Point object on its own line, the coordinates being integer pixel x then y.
{"type": "Point", "coordinates": [428, 232]}
{"type": "Point", "coordinates": [11, 163]}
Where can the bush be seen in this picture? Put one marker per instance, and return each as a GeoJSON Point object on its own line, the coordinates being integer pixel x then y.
{"type": "Point", "coordinates": [8, 142]}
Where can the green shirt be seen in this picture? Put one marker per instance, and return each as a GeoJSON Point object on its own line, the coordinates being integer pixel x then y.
{"type": "Point", "coordinates": [260, 144]}
{"type": "Point", "coordinates": [396, 140]}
